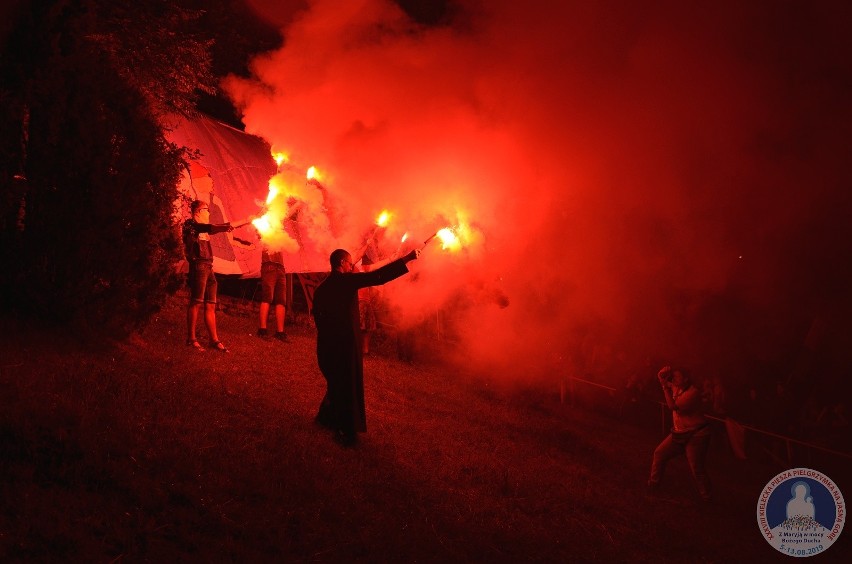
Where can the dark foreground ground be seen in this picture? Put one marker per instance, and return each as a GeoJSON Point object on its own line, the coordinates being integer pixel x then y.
{"type": "Point", "coordinates": [147, 451]}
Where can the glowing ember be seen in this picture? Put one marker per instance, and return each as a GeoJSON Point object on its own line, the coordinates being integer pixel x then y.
{"type": "Point", "coordinates": [404, 237]}
{"type": "Point", "coordinates": [382, 220]}
{"type": "Point", "coordinates": [312, 173]}
{"type": "Point", "coordinates": [279, 158]}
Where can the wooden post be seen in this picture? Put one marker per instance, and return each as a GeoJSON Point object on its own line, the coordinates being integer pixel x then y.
{"type": "Point", "coordinates": [288, 297]}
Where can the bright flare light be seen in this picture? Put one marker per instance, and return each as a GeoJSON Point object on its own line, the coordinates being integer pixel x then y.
{"type": "Point", "coordinates": [279, 158]}
{"type": "Point", "coordinates": [383, 219]}
{"type": "Point", "coordinates": [312, 173]}
{"type": "Point", "coordinates": [404, 237]}
{"type": "Point", "coordinates": [265, 222]}
{"type": "Point", "coordinates": [276, 186]}
{"type": "Point", "coordinates": [273, 193]}
{"type": "Point", "coordinates": [448, 239]}
{"type": "Point", "coordinates": [262, 225]}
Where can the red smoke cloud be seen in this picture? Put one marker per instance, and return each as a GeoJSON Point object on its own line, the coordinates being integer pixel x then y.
{"type": "Point", "coordinates": [615, 163]}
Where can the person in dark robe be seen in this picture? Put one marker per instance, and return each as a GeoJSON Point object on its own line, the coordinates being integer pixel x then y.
{"type": "Point", "coordinates": [339, 353]}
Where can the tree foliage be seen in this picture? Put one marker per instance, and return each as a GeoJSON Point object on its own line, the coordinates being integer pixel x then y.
{"type": "Point", "coordinates": [88, 180]}
{"type": "Point", "coordinates": [150, 46]}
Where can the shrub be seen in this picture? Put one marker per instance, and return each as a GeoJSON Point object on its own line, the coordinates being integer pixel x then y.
{"type": "Point", "coordinates": [88, 236]}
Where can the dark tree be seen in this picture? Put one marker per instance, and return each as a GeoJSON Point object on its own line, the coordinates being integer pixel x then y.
{"type": "Point", "coordinates": [88, 180]}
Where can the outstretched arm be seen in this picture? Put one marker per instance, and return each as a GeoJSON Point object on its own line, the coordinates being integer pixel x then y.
{"type": "Point", "coordinates": [386, 273]}
{"type": "Point", "coordinates": [250, 218]}
{"type": "Point", "coordinates": [212, 228]}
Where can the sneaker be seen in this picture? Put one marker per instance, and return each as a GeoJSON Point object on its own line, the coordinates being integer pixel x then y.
{"type": "Point", "coordinates": [262, 332]}
{"type": "Point", "coordinates": [281, 336]}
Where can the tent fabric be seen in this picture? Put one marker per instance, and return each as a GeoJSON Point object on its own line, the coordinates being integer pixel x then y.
{"type": "Point", "coordinates": [232, 174]}
{"type": "Point", "coordinates": [239, 166]}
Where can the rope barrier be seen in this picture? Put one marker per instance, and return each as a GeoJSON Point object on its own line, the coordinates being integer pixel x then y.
{"type": "Point", "coordinates": [788, 440]}
{"type": "Point", "coordinates": [664, 411]}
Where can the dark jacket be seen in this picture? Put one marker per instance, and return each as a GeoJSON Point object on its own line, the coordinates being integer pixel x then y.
{"type": "Point", "coordinates": [196, 249]}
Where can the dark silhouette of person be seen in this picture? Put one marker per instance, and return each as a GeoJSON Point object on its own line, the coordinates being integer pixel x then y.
{"type": "Point", "coordinates": [339, 353]}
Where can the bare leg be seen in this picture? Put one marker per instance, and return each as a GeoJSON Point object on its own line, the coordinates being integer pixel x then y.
{"type": "Point", "coordinates": [264, 314]}
{"type": "Point", "coordinates": [192, 320]}
{"type": "Point", "coordinates": [210, 321]}
{"type": "Point", "coordinates": [279, 317]}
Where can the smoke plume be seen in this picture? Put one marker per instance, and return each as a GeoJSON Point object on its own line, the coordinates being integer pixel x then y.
{"type": "Point", "coordinates": [627, 179]}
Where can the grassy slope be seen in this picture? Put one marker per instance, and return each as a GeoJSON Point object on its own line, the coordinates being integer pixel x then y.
{"type": "Point", "coordinates": [149, 451]}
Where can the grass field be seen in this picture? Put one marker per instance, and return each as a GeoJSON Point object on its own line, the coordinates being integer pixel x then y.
{"type": "Point", "coordinates": [148, 451]}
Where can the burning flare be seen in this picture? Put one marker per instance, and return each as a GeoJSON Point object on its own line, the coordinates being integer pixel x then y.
{"type": "Point", "coordinates": [273, 193]}
{"type": "Point", "coordinates": [272, 215]}
{"type": "Point", "coordinates": [383, 218]}
{"type": "Point", "coordinates": [270, 226]}
{"type": "Point", "coordinates": [274, 189]}
{"type": "Point", "coordinates": [452, 238]}
{"type": "Point", "coordinates": [262, 224]}
{"type": "Point", "coordinates": [448, 238]}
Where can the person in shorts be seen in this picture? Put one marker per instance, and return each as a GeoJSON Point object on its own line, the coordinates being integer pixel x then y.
{"type": "Point", "coordinates": [273, 289]}
{"type": "Point", "coordinates": [202, 281]}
